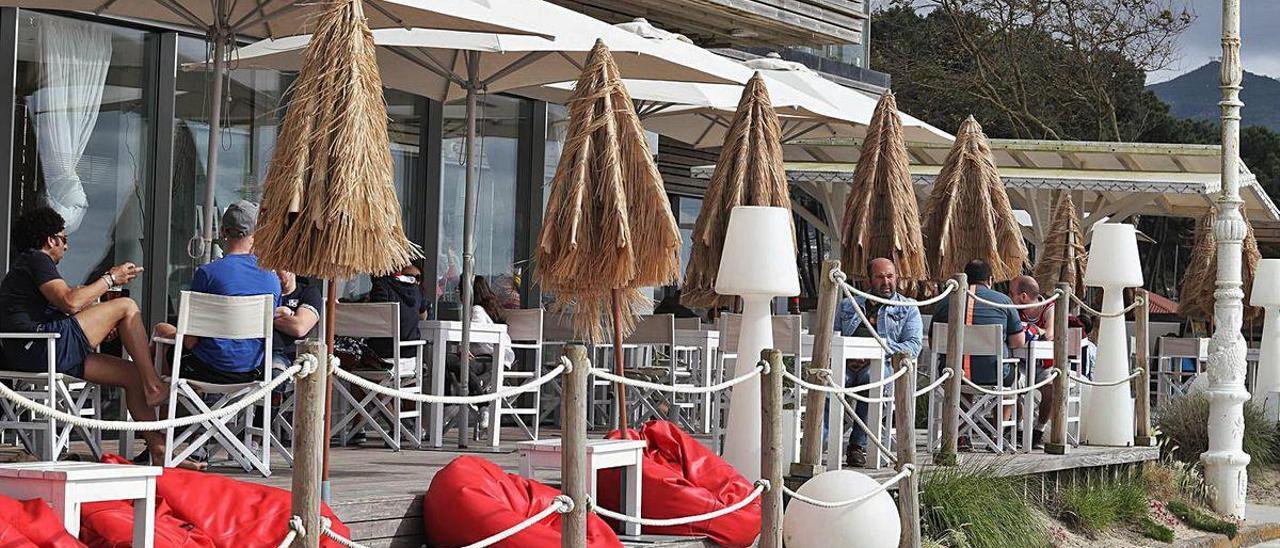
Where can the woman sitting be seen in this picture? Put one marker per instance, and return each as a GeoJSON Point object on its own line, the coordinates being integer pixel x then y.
{"type": "Point", "coordinates": [35, 299]}
{"type": "Point", "coordinates": [486, 309]}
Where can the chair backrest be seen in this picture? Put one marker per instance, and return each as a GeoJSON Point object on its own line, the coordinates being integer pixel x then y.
{"type": "Point", "coordinates": [690, 324]}
{"type": "Point", "coordinates": [656, 329]}
{"type": "Point", "coordinates": [525, 325]}
{"type": "Point", "coordinates": [368, 320]}
{"type": "Point", "coordinates": [979, 340]}
{"type": "Point", "coordinates": [730, 326]}
{"type": "Point", "coordinates": [1195, 347]}
{"type": "Point", "coordinates": [558, 327]}
{"type": "Point", "coordinates": [225, 317]}
{"type": "Point", "coordinates": [787, 334]}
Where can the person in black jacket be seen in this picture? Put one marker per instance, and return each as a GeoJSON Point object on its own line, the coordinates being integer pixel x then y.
{"type": "Point", "coordinates": [403, 287]}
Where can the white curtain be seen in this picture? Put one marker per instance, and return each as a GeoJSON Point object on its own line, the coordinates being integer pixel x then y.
{"type": "Point", "coordinates": [75, 57]}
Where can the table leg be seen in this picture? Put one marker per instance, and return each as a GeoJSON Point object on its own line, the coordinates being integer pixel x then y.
{"type": "Point", "coordinates": [1029, 403]}
{"type": "Point", "coordinates": [437, 388]}
{"type": "Point", "coordinates": [835, 412]}
{"type": "Point", "coordinates": [144, 516]}
{"type": "Point", "coordinates": [526, 468]}
{"type": "Point", "coordinates": [876, 413]}
{"type": "Point", "coordinates": [705, 362]}
{"type": "Point", "coordinates": [632, 485]}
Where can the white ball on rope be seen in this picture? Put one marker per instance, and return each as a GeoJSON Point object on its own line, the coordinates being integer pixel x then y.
{"type": "Point", "coordinates": [871, 524]}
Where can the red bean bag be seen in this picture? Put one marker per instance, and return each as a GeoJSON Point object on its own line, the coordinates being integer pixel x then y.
{"type": "Point", "coordinates": [681, 477]}
{"type": "Point", "coordinates": [109, 524]}
{"type": "Point", "coordinates": [472, 499]}
{"type": "Point", "coordinates": [32, 524]}
{"type": "Point", "coordinates": [230, 512]}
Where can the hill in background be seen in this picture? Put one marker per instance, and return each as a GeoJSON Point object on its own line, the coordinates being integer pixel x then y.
{"type": "Point", "coordinates": [1195, 95]}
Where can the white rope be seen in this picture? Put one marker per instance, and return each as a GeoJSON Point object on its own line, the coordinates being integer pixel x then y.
{"type": "Point", "coordinates": [849, 390]}
{"type": "Point", "coordinates": [761, 487]}
{"type": "Point", "coordinates": [496, 395]}
{"type": "Point", "coordinates": [296, 530]}
{"type": "Point", "coordinates": [1136, 303]}
{"type": "Point", "coordinates": [1057, 293]}
{"type": "Point", "coordinates": [874, 437]}
{"type": "Point", "coordinates": [863, 316]}
{"type": "Point", "coordinates": [760, 369]}
{"type": "Point", "coordinates": [946, 374]}
{"type": "Point", "coordinates": [1077, 378]}
{"type": "Point", "coordinates": [907, 470]}
{"type": "Point", "coordinates": [1053, 374]}
{"type": "Point", "coordinates": [841, 279]}
{"type": "Point", "coordinates": [324, 528]}
{"type": "Point", "coordinates": [139, 426]}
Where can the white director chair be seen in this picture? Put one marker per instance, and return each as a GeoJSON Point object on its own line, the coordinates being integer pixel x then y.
{"type": "Point", "coordinates": [386, 415]}
{"type": "Point", "coordinates": [525, 329]}
{"type": "Point", "coordinates": [41, 436]}
{"type": "Point", "coordinates": [982, 416]}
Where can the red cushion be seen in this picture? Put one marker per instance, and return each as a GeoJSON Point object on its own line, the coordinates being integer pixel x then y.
{"type": "Point", "coordinates": [32, 524]}
{"type": "Point", "coordinates": [682, 477]}
{"type": "Point", "coordinates": [472, 499]}
{"type": "Point", "coordinates": [232, 513]}
{"type": "Point", "coordinates": [109, 524]}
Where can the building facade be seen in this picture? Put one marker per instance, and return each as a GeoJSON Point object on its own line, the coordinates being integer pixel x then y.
{"type": "Point", "coordinates": [108, 123]}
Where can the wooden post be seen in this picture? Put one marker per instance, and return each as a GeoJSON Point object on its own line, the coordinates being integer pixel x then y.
{"type": "Point", "coordinates": [904, 419]}
{"type": "Point", "coordinates": [810, 461]}
{"type": "Point", "coordinates": [308, 439]}
{"type": "Point", "coordinates": [1057, 443]}
{"type": "Point", "coordinates": [771, 455]}
{"type": "Point", "coordinates": [1142, 390]}
{"type": "Point", "coordinates": [955, 360]}
{"type": "Point", "coordinates": [573, 447]}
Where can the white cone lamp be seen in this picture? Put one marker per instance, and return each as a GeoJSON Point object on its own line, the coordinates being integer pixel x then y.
{"type": "Point", "coordinates": [1266, 294]}
{"type": "Point", "coordinates": [1113, 266]}
{"type": "Point", "coordinates": [758, 263]}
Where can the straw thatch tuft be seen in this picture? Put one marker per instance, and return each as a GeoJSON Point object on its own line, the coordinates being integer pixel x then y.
{"type": "Point", "coordinates": [1062, 256]}
{"type": "Point", "coordinates": [749, 172]}
{"type": "Point", "coordinates": [608, 224]}
{"type": "Point", "coordinates": [329, 208]}
{"type": "Point", "coordinates": [881, 218]}
{"type": "Point", "coordinates": [968, 215]}
{"type": "Point", "coordinates": [1195, 299]}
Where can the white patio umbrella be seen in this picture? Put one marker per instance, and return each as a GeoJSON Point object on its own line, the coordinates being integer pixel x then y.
{"type": "Point", "coordinates": [225, 20]}
{"type": "Point", "coordinates": [446, 65]}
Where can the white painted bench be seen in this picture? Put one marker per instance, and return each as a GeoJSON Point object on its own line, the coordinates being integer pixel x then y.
{"type": "Point", "coordinates": [67, 485]}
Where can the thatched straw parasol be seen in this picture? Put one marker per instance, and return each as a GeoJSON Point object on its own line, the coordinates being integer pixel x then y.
{"type": "Point", "coordinates": [608, 229]}
{"type": "Point", "coordinates": [968, 215]}
{"type": "Point", "coordinates": [881, 217]}
{"type": "Point", "coordinates": [1062, 256]}
{"type": "Point", "coordinates": [1195, 299]}
{"type": "Point", "coordinates": [749, 172]}
{"type": "Point", "coordinates": [329, 209]}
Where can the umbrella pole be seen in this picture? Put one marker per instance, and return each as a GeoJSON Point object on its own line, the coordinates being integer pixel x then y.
{"type": "Point", "coordinates": [468, 252]}
{"type": "Point", "coordinates": [215, 123]}
{"type": "Point", "coordinates": [330, 317]}
{"type": "Point", "coordinates": [618, 389]}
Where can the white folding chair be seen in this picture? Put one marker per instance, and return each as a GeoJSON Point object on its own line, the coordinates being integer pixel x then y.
{"type": "Point", "coordinates": [557, 331]}
{"type": "Point", "coordinates": [789, 337]}
{"type": "Point", "coordinates": [525, 329]}
{"type": "Point", "coordinates": [1172, 378]}
{"type": "Point", "coordinates": [221, 317]}
{"type": "Point", "coordinates": [41, 436]}
{"type": "Point", "coordinates": [982, 417]}
{"type": "Point", "coordinates": [692, 324]}
{"type": "Point", "coordinates": [386, 415]}
{"type": "Point", "coordinates": [730, 327]}
{"type": "Point", "coordinates": [655, 358]}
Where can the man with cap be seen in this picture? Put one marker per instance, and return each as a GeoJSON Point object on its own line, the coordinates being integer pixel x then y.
{"type": "Point", "coordinates": [226, 361]}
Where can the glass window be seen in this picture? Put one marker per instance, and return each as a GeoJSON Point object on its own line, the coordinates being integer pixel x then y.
{"type": "Point", "coordinates": [82, 137]}
{"type": "Point", "coordinates": [495, 228]}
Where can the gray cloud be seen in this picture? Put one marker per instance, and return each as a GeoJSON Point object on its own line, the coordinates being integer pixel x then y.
{"type": "Point", "coordinates": [1260, 41]}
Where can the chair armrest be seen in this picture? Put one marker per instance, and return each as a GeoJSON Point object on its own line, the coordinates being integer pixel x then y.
{"type": "Point", "coordinates": [163, 340]}
{"type": "Point", "coordinates": [412, 343]}
{"type": "Point", "coordinates": [28, 335]}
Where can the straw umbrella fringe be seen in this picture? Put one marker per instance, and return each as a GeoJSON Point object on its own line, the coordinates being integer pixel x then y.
{"type": "Point", "coordinates": [968, 215]}
{"type": "Point", "coordinates": [749, 172]}
{"type": "Point", "coordinates": [608, 228]}
{"type": "Point", "coordinates": [881, 217]}
{"type": "Point", "coordinates": [332, 165]}
{"type": "Point", "coordinates": [1196, 299]}
{"type": "Point", "coordinates": [1062, 256]}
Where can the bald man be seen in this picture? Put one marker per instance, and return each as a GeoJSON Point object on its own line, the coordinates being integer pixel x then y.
{"type": "Point", "coordinates": [1039, 321]}
{"type": "Point", "coordinates": [900, 326]}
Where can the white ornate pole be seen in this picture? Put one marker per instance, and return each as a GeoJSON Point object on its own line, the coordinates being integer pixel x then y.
{"type": "Point", "coordinates": [1225, 462]}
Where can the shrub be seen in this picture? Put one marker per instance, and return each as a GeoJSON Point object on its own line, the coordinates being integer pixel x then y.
{"type": "Point", "coordinates": [987, 509]}
{"type": "Point", "coordinates": [1174, 480]}
{"type": "Point", "coordinates": [1155, 531]}
{"type": "Point", "coordinates": [1184, 421]}
{"type": "Point", "coordinates": [1098, 504]}
{"type": "Point", "coordinates": [1198, 519]}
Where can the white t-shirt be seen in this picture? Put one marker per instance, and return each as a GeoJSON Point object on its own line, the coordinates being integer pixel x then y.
{"type": "Point", "coordinates": [480, 316]}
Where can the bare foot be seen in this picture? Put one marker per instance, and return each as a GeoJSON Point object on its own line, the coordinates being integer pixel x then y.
{"type": "Point", "coordinates": [157, 456]}
{"type": "Point", "coordinates": [158, 396]}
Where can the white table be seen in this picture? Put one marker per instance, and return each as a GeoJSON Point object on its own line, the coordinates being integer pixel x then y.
{"type": "Point", "coordinates": [707, 342]}
{"type": "Point", "coordinates": [441, 332]}
{"type": "Point", "coordinates": [67, 485]}
{"type": "Point", "coordinates": [601, 454]}
{"type": "Point", "coordinates": [842, 350]}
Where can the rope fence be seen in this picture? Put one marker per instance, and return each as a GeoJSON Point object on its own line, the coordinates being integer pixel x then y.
{"type": "Point", "coordinates": [761, 487]}
{"type": "Point", "coordinates": [907, 470]}
{"type": "Point", "coordinates": [1053, 374]}
{"type": "Point", "coordinates": [760, 369]}
{"type": "Point", "coordinates": [562, 504]}
{"type": "Point", "coordinates": [874, 437]}
{"type": "Point", "coordinates": [1090, 382]}
{"type": "Point", "coordinates": [1085, 307]}
{"type": "Point", "coordinates": [453, 400]}
{"type": "Point", "coordinates": [848, 391]}
{"type": "Point", "coordinates": [296, 529]}
{"type": "Point", "coordinates": [946, 374]}
{"type": "Point", "coordinates": [862, 316]}
{"type": "Point", "coordinates": [1057, 294]}
{"type": "Point", "coordinates": [842, 279]}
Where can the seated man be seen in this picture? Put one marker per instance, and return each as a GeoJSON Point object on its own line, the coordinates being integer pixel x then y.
{"type": "Point", "coordinates": [35, 299]}
{"type": "Point", "coordinates": [983, 369]}
{"type": "Point", "coordinates": [297, 315]}
{"type": "Point", "coordinates": [226, 361]}
{"type": "Point", "coordinates": [405, 288]}
{"type": "Point", "coordinates": [900, 326]}
{"type": "Point", "coordinates": [1039, 327]}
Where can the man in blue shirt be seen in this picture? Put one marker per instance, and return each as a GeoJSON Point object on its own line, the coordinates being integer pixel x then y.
{"type": "Point", "coordinates": [899, 326]}
{"type": "Point", "coordinates": [226, 361]}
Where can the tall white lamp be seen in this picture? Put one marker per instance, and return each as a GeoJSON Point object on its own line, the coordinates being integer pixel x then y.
{"type": "Point", "coordinates": [758, 263]}
{"type": "Point", "coordinates": [1266, 294]}
{"type": "Point", "coordinates": [1113, 266]}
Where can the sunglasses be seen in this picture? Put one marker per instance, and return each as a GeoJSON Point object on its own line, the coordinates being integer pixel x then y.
{"type": "Point", "coordinates": [61, 238]}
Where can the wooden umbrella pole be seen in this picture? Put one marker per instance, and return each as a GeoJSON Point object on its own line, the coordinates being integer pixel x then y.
{"type": "Point", "coordinates": [619, 390]}
{"type": "Point", "coordinates": [330, 321]}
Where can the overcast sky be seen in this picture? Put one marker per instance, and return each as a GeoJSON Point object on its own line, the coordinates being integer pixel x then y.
{"type": "Point", "coordinates": [1260, 45]}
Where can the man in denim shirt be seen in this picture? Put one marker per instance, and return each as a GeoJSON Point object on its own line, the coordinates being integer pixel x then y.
{"type": "Point", "coordinates": [899, 326]}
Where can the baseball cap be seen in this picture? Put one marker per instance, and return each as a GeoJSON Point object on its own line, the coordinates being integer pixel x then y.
{"type": "Point", "coordinates": [240, 219]}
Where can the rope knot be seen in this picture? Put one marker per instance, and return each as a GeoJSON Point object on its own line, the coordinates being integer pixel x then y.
{"type": "Point", "coordinates": [764, 367]}
{"type": "Point", "coordinates": [568, 368]}
{"type": "Point", "coordinates": [295, 523]}
{"type": "Point", "coordinates": [838, 276]}
{"type": "Point", "coordinates": [764, 485]}
{"type": "Point", "coordinates": [566, 504]}
{"type": "Point", "coordinates": [309, 364]}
